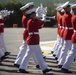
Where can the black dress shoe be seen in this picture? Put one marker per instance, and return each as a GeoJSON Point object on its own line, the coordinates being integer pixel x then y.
{"type": "Point", "coordinates": [37, 66]}
{"type": "Point", "coordinates": [23, 71]}
{"type": "Point", "coordinates": [7, 53]}
{"type": "Point", "coordinates": [56, 58]}
{"type": "Point", "coordinates": [44, 57]}
{"type": "Point", "coordinates": [65, 70]}
{"type": "Point", "coordinates": [54, 55]}
{"type": "Point", "coordinates": [46, 70]}
{"type": "Point", "coordinates": [2, 58]}
{"type": "Point", "coordinates": [60, 66]}
{"type": "Point", "coordinates": [16, 65]}
{"type": "Point", "coordinates": [74, 60]}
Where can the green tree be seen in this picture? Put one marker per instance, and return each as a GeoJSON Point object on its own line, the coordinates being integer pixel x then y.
{"type": "Point", "coordinates": [51, 11]}
{"type": "Point", "coordinates": [17, 16]}
{"type": "Point", "coordinates": [13, 18]}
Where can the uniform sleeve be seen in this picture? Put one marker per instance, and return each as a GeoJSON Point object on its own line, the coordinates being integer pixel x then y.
{"type": "Point", "coordinates": [61, 21]}
{"type": "Point", "coordinates": [29, 24]}
{"type": "Point", "coordinates": [24, 22]}
{"type": "Point", "coordinates": [74, 23]}
{"type": "Point", "coordinates": [40, 24]}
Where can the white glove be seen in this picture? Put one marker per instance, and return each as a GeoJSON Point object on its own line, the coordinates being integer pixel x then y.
{"type": "Point", "coordinates": [4, 13]}
{"type": "Point", "coordinates": [1, 17]}
{"type": "Point", "coordinates": [43, 18]}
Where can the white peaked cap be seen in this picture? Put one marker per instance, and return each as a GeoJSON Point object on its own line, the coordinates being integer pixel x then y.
{"type": "Point", "coordinates": [65, 4]}
{"type": "Point", "coordinates": [31, 10]}
{"type": "Point", "coordinates": [73, 6]}
{"type": "Point", "coordinates": [59, 8]}
{"type": "Point", "coordinates": [62, 10]}
{"type": "Point", "coordinates": [26, 6]}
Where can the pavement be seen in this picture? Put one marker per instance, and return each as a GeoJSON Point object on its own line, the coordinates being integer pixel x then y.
{"type": "Point", "coordinates": [13, 39]}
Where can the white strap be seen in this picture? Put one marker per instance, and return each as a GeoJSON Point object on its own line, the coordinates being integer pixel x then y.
{"type": "Point", "coordinates": [60, 26]}
{"type": "Point", "coordinates": [74, 30]}
{"type": "Point", "coordinates": [70, 28]}
{"type": "Point", "coordinates": [33, 33]}
{"type": "Point", "coordinates": [1, 24]}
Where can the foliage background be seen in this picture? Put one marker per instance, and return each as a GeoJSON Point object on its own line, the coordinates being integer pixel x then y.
{"type": "Point", "coordinates": [17, 16]}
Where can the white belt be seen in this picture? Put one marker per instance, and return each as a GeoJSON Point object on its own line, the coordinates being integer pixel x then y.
{"type": "Point", "coordinates": [60, 26]}
{"type": "Point", "coordinates": [25, 28]}
{"type": "Point", "coordinates": [74, 30]}
{"type": "Point", "coordinates": [33, 33]}
{"type": "Point", "coordinates": [1, 24]}
{"type": "Point", "coordinates": [70, 28]}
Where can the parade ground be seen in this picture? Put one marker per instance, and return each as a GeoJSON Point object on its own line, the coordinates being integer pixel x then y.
{"type": "Point", "coordinates": [13, 40]}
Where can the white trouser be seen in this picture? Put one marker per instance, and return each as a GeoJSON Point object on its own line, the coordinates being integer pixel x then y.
{"type": "Point", "coordinates": [2, 43]}
{"type": "Point", "coordinates": [60, 47]}
{"type": "Point", "coordinates": [22, 50]}
{"type": "Point", "coordinates": [21, 54]}
{"type": "Point", "coordinates": [33, 49]}
{"type": "Point", "coordinates": [64, 51]}
{"type": "Point", "coordinates": [1, 52]}
{"type": "Point", "coordinates": [55, 48]}
{"type": "Point", "coordinates": [70, 57]}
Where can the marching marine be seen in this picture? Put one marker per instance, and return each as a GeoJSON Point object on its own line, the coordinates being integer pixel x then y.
{"type": "Point", "coordinates": [66, 19]}
{"type": "Point", "coordinates": [33, 25]}
{"type": "Point", "coordinates": [60, 29]}
{"type": "Point", "coordinates": [23, 47]}
{"type": "Point", "coordinates": [3, 50]}
{"type": "Point", "coordinates": [72, 53]}
{"type": "Point", "coordinates": [56, 46]}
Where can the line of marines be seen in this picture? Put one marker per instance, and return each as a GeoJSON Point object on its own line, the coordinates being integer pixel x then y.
{"type": "Point", "coordinates": [64, 49]}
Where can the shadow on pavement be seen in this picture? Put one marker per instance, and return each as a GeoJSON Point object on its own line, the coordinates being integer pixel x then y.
{"type": "Point", "coordinates": [8, 61]}
{"type": "Point", "coordinates": [10, 71]}
{"type": "Point", "coordinates": [8, 65]}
